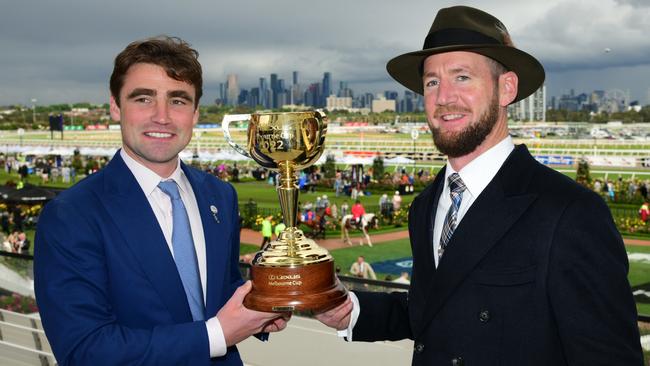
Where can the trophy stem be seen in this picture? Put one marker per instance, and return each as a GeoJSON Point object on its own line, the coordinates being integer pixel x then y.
{"type": "Point", "coordinates": [288, 195]}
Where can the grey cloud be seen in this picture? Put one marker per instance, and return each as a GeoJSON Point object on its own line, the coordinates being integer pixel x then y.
{"type": "Point", "coordinates": [54, 50]}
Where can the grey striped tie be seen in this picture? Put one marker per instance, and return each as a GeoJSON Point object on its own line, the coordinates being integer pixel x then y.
{"type": "Point", "coordinates": [456, 188]}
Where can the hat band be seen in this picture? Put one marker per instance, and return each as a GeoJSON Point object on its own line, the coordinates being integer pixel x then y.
{"type": "Point", "coordinates": [456, 37]}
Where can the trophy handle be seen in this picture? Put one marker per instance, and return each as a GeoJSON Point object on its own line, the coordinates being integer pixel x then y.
{"type": "Point", "coordinates": [226, 132]}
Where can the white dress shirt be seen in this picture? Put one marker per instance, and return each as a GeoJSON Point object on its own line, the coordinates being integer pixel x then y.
{"type": "Point", "coordinates": [476, 175]}
{"type": "Point", "coordinates": [161, 205]}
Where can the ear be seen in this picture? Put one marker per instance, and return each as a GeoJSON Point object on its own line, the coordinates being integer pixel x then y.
{"type": "Point", "coordinates": [195, 118]}
{"type": "Point", "coordinates": [115, 110]}
{"type": "Point", "coordinates": [508, 87]}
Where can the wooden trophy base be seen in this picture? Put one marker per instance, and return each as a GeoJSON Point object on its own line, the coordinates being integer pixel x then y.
{"type": "Point", "coordinates": [311, 287]}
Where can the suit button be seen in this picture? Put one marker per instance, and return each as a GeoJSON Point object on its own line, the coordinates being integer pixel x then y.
{"type": "Point", "coordinates": [419, 347]}
{"type": "Point", "coordinates": [484, 316]}
{"type": "Point", "coordinates": [457, 361]}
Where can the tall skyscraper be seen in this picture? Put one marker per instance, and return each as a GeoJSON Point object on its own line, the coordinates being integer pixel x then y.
{"type": "Point", "coordinates": [344, 91]}
{"type": "Point", "coordinates": [327, 88]}
{"type": "Point", "coordinates": [232, 89]}
{"type": "Point", "coordinates": [254, 98]}
{"type": "Point", "coordinates": [532, 108]}
{"type": "Point", "coordinates": [295, 78]}
{"type": "Point", "coordinates": [222, 92]}
{"type": "Point", "coordinates": [275, 89]}
{"type": "Point", "coordinates": [313, 95]}
{"type": "Point", "coordinates": [263, 94]}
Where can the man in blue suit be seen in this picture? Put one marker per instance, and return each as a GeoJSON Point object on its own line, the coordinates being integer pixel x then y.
{"type": "Point", "coordinates": [138, 263]}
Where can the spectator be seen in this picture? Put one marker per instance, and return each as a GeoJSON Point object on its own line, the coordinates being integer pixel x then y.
{"type": "Point", "coordinates": [385, 207]}
{"type": "Point", "coordinates": [267, 231]}
{"type": "Point", "coordinates": [18, 218]}
{"type": "Point", "coordinates": [403, 278]}
{"type": "Point", "coordinates": [4, 222]}
{"type": "Point", "coordinates": [325, 202]}
{"type": "Point", "coordinates": [344, 208]}
{"type": "Point", "coordinates": [338, 183]}
{"type": "Point", "coordinates": [362, 269]}
{"type": "Point", "coordinates": [644, 212]}
{"type": "Point", "coordinates": [397, 201]}
{"type": "Point", "coordinates": [278, 229]}
{"type": "Point", "coordinates": [22, 244]}
{"type": "Point", "coordinates": [334, 211]}
{"type": "Point", "coordinates": [643, 189]}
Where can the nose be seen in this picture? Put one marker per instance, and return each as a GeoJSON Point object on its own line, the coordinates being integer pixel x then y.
{"type": "Point", "coordinates": [161, 113]}
{"type": "Point", "coordinates": [446, 93]}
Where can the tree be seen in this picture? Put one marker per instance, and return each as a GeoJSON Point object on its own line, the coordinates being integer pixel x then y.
{"type": "Point", "coordinates": [329, 167]}
{"type": "Point", "coordinates": [582, 175]}
{"type": "Point", "coordinates": [378, 168]}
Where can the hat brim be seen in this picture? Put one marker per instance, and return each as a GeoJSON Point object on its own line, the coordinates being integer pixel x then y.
{"type": "Point", "coordinates": [406, 68]}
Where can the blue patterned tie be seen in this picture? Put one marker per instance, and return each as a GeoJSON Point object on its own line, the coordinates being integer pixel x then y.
{"type": "Point", "coordinates": [456, 188]}
{"type": "Point", "coordinates": [184, 253]}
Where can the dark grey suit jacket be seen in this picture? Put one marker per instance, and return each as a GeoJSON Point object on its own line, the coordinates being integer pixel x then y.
{"type": "Point", "coordinates": [535, 274]}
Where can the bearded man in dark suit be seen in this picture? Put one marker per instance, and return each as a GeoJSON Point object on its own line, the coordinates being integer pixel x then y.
{"type": "Point", "coordinates": [513, 263]}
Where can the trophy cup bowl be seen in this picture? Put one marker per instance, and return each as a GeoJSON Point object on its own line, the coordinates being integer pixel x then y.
{"type": "Point", "coordinates": [291, 273]}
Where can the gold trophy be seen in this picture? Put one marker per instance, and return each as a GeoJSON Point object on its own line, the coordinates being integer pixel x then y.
{"type": "Point", "coordinates": [292, 272]}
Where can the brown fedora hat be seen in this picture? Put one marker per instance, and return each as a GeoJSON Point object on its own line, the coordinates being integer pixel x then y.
{"type": "Point", "coordinates": [462, 28]}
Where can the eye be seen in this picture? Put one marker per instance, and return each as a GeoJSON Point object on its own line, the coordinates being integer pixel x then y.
{"type": "Point", "coordinates": [430, 83]}
{"type": "Point", "coordinates": [142, 100]}
{"type": "Point", "coordinates": [462, 78]}
{"type": "Point", "coordinates": [179, 102]}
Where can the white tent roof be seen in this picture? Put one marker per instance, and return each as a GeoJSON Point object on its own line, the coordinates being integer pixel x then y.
{"type": "Point", "coordinates": [398, 160]}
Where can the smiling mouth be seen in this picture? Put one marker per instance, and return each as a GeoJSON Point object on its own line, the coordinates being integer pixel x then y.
{"type": "Point", "coordinates": [158, 135]}
{"type": "Point", "coordinates": [451, 117]}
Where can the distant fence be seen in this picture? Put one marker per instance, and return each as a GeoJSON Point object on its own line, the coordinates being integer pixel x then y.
{"type": "Point", "coordinates": [23, 264]}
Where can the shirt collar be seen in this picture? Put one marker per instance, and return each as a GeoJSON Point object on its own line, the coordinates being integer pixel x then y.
{"type": "Point", "coordinates": [148, 179]}
{"type": "Point", "coordinates": [479, 172]}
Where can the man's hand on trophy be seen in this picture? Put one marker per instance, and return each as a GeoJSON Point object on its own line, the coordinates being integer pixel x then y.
{"type": "Point", "coordinates": [338, 317]}
{"type": "Point", "coordinates": [239, 323]}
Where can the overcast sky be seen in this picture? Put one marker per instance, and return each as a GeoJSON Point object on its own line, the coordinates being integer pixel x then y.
{"type": "Point", "coordinates": [62, 51]}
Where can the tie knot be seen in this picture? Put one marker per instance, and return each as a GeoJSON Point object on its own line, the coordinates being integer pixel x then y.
{"type": "Point", "coordinates": [170, 188]}
{"type": "Point", "coordinates": [456, 184]}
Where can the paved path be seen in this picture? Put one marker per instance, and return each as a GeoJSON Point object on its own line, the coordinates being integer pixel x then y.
{"type": "Point", "coordinates": [253, 237]}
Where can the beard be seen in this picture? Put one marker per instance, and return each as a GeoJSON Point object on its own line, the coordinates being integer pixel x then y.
{"type": "Point", "coordinates": [467, 140]}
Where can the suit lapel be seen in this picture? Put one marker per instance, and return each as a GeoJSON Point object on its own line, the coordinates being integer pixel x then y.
{"type": "Point", "coordinates": [496, 209]}
{"type": "Point", "coordinates": [130, 209]}
{"type": "Point", "coordinates": [424, 217]}
{"type": "Point", "coordinates": [421, 233]}
{"type": "Point", "coordinates": [216, 232]}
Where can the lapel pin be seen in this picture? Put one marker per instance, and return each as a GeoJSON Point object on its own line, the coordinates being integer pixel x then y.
{"type": "Point", "coordinates": [214, 210]}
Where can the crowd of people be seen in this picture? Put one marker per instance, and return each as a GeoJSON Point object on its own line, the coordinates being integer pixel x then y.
{"type": "Point", "coordinates": [16, 242]}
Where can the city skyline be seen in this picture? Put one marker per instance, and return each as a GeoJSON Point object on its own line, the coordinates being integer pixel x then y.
{"type": "Point", "coordinates": [62, 52]}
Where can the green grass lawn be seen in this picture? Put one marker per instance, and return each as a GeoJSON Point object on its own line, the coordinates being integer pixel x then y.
{"type": "Point", "coordinates": [265, 196]}
{"type": "Point", "coordinates": [639, 273]}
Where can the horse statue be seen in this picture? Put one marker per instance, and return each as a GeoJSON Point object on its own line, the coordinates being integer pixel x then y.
{"type": "Point", "coordinates": [368, 220]}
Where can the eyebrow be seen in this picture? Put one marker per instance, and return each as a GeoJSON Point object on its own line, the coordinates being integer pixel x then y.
{"type": "Point", "coordinates": [180, 94]}
{"type": "Point", "coordinates": [454, 70]}
{"type": "Point", "coordinates": [141, 91]}
{"type": "Point", "coordinates": [152, 93]}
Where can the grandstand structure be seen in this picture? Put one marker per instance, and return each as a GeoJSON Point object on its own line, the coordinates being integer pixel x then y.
{"type": "Point", "coordinates": [564, 148]}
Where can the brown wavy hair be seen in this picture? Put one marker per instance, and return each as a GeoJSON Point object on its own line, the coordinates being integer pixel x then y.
{"type": "Point", "coordinates": [176, 56]}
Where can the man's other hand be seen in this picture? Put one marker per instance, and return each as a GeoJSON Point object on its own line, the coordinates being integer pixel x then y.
{"type": "Point", "coordinates": [338, 317]}
{"type": "Point", "coordinates": [239, 323]}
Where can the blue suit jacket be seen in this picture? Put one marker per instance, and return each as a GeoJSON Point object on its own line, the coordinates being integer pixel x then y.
{"type": "Point", "coordinates": [106, 283]}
